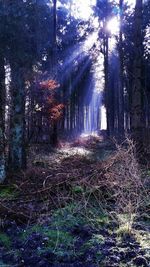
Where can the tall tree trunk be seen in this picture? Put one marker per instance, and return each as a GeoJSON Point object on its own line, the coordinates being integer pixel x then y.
{"type": "Point", "coordinates": [2, 121]}
{"type": "Point", "coordinates": [121, 85]}
{"type": "Point", "coordinates": [54, 65]}
{"type": "Point", "coordinates": [108, 93]}
{"type": "Point", "coordinates": [54, 42]}
{"type": "Point", "coordinates": [136, 105]}
{"type": "Point", "coordinates": [17, 153]}
{"type": "Point", "coordinates": [54, 136]}
{"type": "Point", "coordinates": [106, 82]}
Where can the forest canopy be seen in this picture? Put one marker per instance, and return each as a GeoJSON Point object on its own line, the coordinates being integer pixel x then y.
{"type": "Point", "coordinates": [71, 67]}
{"type": "Point", "coordinates": [74, 133]}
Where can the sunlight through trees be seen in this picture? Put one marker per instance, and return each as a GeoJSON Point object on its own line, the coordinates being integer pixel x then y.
{"type": "Point", "coordinates": [89, 48]}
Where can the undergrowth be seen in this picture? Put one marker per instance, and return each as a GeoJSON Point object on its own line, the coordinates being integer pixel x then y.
{"type": "Point", "coordinates": [74, 201]}
{"type": "Point", "coordinates": [7, 192]}
{"type": "Point", "coordinates": [5, 240]}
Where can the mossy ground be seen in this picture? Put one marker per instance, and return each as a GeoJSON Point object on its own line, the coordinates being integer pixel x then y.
{"type": "Point", "coordinates": [73, 234]}
{"type": "Point", "coordinates": [7, 192]}
{"type": "Point", "coordinates": [5, 240]}
{"type": "Point", "coordinates": [65, 235]}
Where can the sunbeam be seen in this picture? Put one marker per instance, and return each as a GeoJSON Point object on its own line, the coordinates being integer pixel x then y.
{"type": "Point", "coordinates": [82, 9]}
{"type": "Point", "coordinates": [113, 25]}
{"type": "Point", "coordinates": [78, 54]}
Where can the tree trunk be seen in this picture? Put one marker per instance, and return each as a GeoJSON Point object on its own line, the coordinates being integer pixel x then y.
{"type": "Point", "coordinates": [54, 42]}
{"type": "Point", "coordinates": [121, 85]}
{"type": "Point", "coordinates": [54, 64]}
{"type": "Point", "coordinates": [107, 90]}
{"type": "Point", "coordinates": [17, 154]}
{"type": "Point", "coordinates": [2, 122]}
{"type": "Point", "coordinates": [136, 105]}
{"type": "Point", "coordinates": [54, 136]}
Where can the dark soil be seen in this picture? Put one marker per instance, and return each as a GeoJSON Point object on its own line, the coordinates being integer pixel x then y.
{"type": "Point", "coordinates": [110, 252]}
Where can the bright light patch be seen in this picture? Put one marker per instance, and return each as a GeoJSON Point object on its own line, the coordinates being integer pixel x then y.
{"type": "Point", "coordinates": [85, 135]}
{"type": "Point", "coordinates": [131, 2]}
{"type": "Point", "coordinates": [75, 151]}
{"type": "Point", "coordinates": [90, 41]}
{"type": "Point", "coordinates": [103, 118]}
{"type": "Point", "coordinates": [113, 26]}
{"type": "Point", "coordinates": [82, 9]}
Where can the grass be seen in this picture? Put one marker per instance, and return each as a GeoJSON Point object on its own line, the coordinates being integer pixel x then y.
{"type": "Point", "coordinates": [124, 231]}
{"type": "Point", "coordinates": [143, 237]}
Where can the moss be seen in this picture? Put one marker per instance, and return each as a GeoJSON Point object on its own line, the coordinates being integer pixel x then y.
{"type": "Point", "coordinates": [5, 240]}
{"type": "Point", "coordinates": [67, 217]}
{"type": "Point", "coordinates": [78, 189]}
{"type": "Point", "coordinates": [59, 240]}
{"type": "Point", "coordinates": [92, 245]}
{"type": "Point", "coordinates": [57, 236]}
{"type": "Point", "coordinates": [54, 239]}
{"type": "Point", "coordinates": [35, 228]}
{"type": "Point", "coordinates": [7, 192]}
{"type": "Point", "coordinates": [76, 215]}
{"type": "Point", "coordinates": [95, 240]}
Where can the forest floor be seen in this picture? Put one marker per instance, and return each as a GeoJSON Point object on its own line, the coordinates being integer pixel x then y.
{"type": "Point", "coordinates": [84, 204]}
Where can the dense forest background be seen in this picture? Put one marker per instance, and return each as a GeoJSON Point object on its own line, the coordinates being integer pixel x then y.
{"type": "Point", "coordinates": [74, 133]}
{"type": "Point", "coordinates": [66, 71]}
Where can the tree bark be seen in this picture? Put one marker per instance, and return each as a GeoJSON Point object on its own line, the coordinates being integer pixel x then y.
{"type": "Point", "coordinates": [54, 41]}
{"type": "Point", "coordinates": [2, 122]}
{"type": "Point", "coordinates": [54, 64]}
{"type": "Point", "coordinates": [136, 105]}
{"type": "Point", "coordinates": [121, 85]}
{"type": "Point", "coordinates": [17, 153]}
{"type": "Point", "coordinates": [108, 98]}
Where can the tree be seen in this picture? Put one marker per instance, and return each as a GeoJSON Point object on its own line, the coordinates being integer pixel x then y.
{"type": "Point", "coordinates": [24, 49]}
{"type": "Point", "coordinates": [104, 10]}
{"type": "Point", "coordinates": [50, 107]}
{"type": "Point", "coordinates": [2, 124]}
{"type": "Point", "coordinates": [136, 104]}
{"type": "Point", "coordinates": [17, 154]}
{"type": "Point", "coordinates": [54, 61]}
{"type": "Point", "coordinates": [121, 78]}
{"type": "Point", "coordinates": [2, 99]}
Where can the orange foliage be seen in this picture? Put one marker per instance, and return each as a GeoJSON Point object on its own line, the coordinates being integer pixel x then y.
{"type": "Point", "coordinates": [50, 100]}
{"type": "Point", "coordinates": [52, 109]}
{"type": "Point", "coordinates": [49, 84]}
{"type": "Point", "coordinates": [56, 112]}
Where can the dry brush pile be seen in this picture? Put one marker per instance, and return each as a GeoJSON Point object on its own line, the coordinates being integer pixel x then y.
{"type": "Point", "coordinates": [115, 185]}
